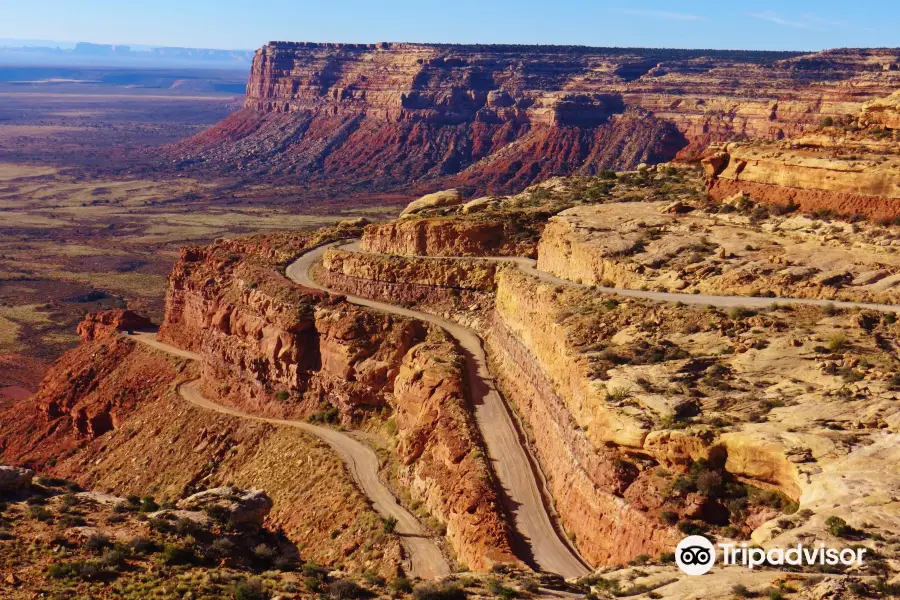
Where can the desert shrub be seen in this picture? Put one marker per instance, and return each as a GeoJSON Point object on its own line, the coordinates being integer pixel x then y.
{"type": "Point", "coordinates": [827, 122]}
{"type": "Point", "coordinates": [439, 591]}
{"type": "Point", "coordinates": [160, 524]}
{"type": "Point", "coordinates": [98, 543]}
{"type": "Point", "coordinates": [113, 558]}
{"type": "Point", "coordinates": [837, 342]}
{"type": "Point", "coordinates": [389, 524]}
{"type": "Point", "coordinates": [739, 313]}
{"type": "Point", "coordinates": [838, 527]}
{"type": "Point", "coordinates": [39, 513]}
{"type": "Point", "coordinates": [264, 555]}
{"type": "Point", "coordinates": [186, 527]}
{"type": "Point", "coordinates": [251, 589]}
{"type": "Point", "coordinates": [741, 590]}
{"type": "Point", "coordinates": [401, 585]}
{"type": "Point", "coordinates": [218, 513]}
{"type": "Point", "coordinates": [148, 505]}
{"type": "Point", "coordinates": [709, 483]}
{"type": "Point", "coordinates": [222, 547]}
{"type": "Point", "coordinates": [283, 395]}
{"type": "Point", "coordinates": [143, 545]}
{"type": "Point", "coordinates": [177, 555]}
{"type": "Point", "coordinates": [344, 589]}
{"type": "Point", "coordinates": [691, 527]}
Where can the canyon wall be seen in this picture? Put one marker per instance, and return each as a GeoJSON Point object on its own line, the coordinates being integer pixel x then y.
{"type": "Point", "coordinates": [576, 436]}
{"type": "Point", "coordinates": [270, 347]}
{"type": "Point", "coordinates": [848, 166]}
{"type": "Point", "coordinates": [355, 118]}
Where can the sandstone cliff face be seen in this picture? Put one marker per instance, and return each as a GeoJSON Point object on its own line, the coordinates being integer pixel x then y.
{"type": "Point", "coordinates": [476, 275]}
{"type": "Point", "coordinates": [440, 453]}
{"type": "Point", "coordinates": [533, 360]}
{"type": "Point", "coordinates": [849, 166]}
{"type": "Point", "coordinates": [271, 347]}
{"type": "Point", "coordinates": [497, 118]}
{"type": "Point", "coordinates": [447, 236]}
{"type": "Point", "coordinates": [263, 338]}
{"type": "Point", "coordinates": [810, 176]}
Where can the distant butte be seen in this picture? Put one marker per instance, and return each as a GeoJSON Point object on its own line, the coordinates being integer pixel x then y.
{"type": "Point", "coordinates": [342, 118]}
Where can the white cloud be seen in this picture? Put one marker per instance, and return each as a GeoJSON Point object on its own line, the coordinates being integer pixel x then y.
{"type": "Point", "coordinates": [659, 14]}
{"type": "Point", "coordinates": [805, 21]}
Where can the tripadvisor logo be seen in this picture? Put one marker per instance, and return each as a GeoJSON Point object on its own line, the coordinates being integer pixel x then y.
{"type": "Point", "coordinates": [696, 555]}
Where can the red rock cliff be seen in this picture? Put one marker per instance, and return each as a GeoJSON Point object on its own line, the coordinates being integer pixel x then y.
{"type": "Point", "coordinates": [346, 117]}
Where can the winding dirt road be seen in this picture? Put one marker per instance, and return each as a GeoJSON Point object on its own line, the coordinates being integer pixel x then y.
{"type": "Point", "coordinates": [425, 559]}
{"type": "Point", "coordinates": [513, 465]}
{"type": "Point", "coordinates": [529, 265]}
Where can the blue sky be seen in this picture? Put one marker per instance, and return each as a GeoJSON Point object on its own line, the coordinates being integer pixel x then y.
{"type": "Point", "coordinates": [798, 24]}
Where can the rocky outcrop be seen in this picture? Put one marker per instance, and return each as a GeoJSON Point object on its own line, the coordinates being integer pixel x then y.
{"type": "Point", "coordinates": [884, 112]}
{"type": "Point", "coordinates": [276, 349]}
{"type": "Point", "coordinates": [813, 177]}
{"type": "Point", "coordinates": [491, 236]}
{"type": "Point", "coordinates": [96, 325]}
{"type": "Point", "coordinates": [232, 505]}
{"type": "Point", "coordinates": [352, 118]}
{"type": "Point", "coordinates": [80, 399]}
{"type": "Point", "coordinates": [14, 479]}
{"type": "Point", "coordinates": [440, 453]}
{"type": "Point", "coordinates": [435, 200]}
{"type": "Point", "coordinates": [477, 275]}
{"type": "Point", "coordinates": [273, 348]}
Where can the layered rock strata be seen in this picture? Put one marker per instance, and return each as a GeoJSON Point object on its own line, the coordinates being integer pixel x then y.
{"type": "Point", "coordinates": [270, 347]}
{"type": "Point", "coordinates": [352, 117]}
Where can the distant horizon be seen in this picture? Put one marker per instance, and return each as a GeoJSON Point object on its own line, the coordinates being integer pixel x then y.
{"type": "Point", "coordinates": [767, 25]}
{"type": "Point", "coordinates": [68, 44]}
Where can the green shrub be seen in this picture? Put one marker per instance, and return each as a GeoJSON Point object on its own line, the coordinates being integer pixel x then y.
{"type": "Point", "coordinates": [148, 505]}
{"type": "Point", "coordinates": [252, 589]}
{"type": "Point", "coordinates": [838, 527]}
{"type": "Point", "coordinates": [389, 524]}
{"type": "Point", "coordinates": [439, 591]}
{"type": "Point", "coordinates": [222, 547]}
{"type": "Point", "coordinates": [344, 589]}
{"type": "Point", "coordinates": [837, 342]}
{"type": "Point", "coordinates": [401, 585]}
{"type": "Point", "coordinates": [177, 555]}
{"type": "Point", "coordinates": [143, 545]}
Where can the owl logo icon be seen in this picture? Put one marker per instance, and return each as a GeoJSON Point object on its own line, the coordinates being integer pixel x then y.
{"type": "Point", "coordinates": [695, 555]}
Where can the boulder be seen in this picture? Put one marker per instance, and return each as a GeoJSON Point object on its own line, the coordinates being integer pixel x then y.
{"type": "Point", "coordinates": [357, 222]}
{"type": "Point", "coordinates": [14, 479]}
{"type": "Point", "coordinates": [478, 204]}
{"type": "Point", "coordinates": [97, 325]}
{"type": "Point", "coordinates": [435, 200]}
{"type": "Point", "coordinates": [242, 507]}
